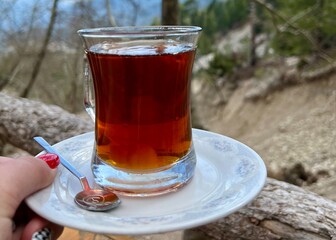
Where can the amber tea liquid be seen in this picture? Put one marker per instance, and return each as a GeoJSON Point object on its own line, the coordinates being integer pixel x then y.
{"type": "Point", "coordinates": [142, 105]}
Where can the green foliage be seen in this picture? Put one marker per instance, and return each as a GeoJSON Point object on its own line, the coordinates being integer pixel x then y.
{"type": "Point", "coordinates": [305, 26]}
{"type": "Point", "coordinates": [232, 13]}
{"type": "Point", "coordinates": [288, 45]}
{"type": "Point", "coordinates": [222, 64]}
{"type": "Point", "coordinates": [308, 26]}
{"type": "Point", "coordinates": [218, 18]}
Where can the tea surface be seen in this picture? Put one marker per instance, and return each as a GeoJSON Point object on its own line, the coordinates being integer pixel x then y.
{"type": "Point", "coordinates": [142, 104]}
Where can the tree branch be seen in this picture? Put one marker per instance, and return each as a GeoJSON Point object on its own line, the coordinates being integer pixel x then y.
{"type": "Point", "coordinates": [281, 211]}
{"type": "Point", "coordinates": [109, 14]}
{"type": "Point", "coordinates": [43, 50]}
{"type": "Point", "coordinates": [22, 119]}
{"type": "Point", "coordinates": [289, 24]}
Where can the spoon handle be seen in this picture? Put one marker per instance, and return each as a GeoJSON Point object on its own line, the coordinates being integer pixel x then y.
{"type": "Point", "coordinates": [48, 148]}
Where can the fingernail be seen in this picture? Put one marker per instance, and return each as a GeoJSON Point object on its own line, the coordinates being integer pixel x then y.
{"type": "Point", "coordinates": [43, 234]}
{"type": "Point", "coordinates": [51, 159]}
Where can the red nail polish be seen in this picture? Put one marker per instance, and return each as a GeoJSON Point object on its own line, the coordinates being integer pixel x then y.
{"type": "Point", "coordinates": [51, 159]}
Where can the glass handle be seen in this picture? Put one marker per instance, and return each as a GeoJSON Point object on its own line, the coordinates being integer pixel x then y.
{"type": "Point", "coordinates": [89, 100]}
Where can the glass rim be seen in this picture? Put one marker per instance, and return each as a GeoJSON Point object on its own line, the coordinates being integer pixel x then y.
{"type": "Point", "coordinates": [139, 31]}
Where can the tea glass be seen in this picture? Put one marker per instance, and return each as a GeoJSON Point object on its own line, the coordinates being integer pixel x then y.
{"type": "Point", "coordinates": [137, 90]}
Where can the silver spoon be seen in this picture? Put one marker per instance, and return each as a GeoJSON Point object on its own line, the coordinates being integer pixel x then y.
{"type": "Point", "coordinates": [97, 200]}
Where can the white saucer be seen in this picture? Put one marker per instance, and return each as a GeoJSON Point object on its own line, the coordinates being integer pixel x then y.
{"type": "Point", "coordinates": [228, 176]}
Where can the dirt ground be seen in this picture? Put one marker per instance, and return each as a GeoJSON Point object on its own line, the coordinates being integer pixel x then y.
{"type": "Point", "coordinates": [293, 130]}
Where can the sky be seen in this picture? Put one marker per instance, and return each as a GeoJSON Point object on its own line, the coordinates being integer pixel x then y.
{"type": "Point", "coordinates": [16, 16]}
{"type": "Point", "coordinates": [149, 9]}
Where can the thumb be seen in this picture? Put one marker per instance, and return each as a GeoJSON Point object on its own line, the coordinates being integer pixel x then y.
{"type": "Point", "coordinates": [20, 178]}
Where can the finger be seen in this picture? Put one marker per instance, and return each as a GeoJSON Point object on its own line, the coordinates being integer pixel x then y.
{"type": "Point", "coordinates": [19, 178]}
{"type": "Point", "coordinates": [16, 235]}
{"type": "Point", "coordinates": [8, 229]}
{"type": "Point", "coordinates": [40, 227]}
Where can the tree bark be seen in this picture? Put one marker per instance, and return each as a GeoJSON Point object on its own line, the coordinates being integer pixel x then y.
{"type": "Point", "coordinates": [281, 211]}
{"type": "Point", "coordinates": [22, 119]}
{"type": "Point", "coordinates": [170, 12]}
{"type": "Point", "coordinates": [253, 23]}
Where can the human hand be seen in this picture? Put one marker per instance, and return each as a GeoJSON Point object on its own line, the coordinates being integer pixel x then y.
{"type": "Point", "coordinates": [19, 178]}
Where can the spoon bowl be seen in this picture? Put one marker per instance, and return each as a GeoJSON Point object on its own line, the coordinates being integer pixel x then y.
{"type": "Point", "coordinates": [97, 200]}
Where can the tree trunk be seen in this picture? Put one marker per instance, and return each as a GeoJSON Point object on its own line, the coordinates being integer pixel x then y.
{"type": "Point", "coordinates": [281, 211]}
{"type": "Point", "coordinates": [170, 12]}
{"type": "Point", "coordinates": [22, 119]}
{"type": "Point", "coordinates": [42, 52]}
{"type": "Point", "coordinates": [253, 23]}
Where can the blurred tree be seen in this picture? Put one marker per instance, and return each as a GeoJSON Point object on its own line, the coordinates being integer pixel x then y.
{"type": "Point", "coordinates": [16, 38]}
{"type": "Point", "coordinates": [109, 14]}
{"type": "Point", "coordinates": [23, 26]}
{"type": "Point", "coordinates": [302, 26]}
{"type": "Point", "coordinates": [42, 52]}
{"type": "Point", "coordinates": [170, 12]}
{"type": "Point", "coordinates": [253, 23]}
{"type": "Point", "coordinates": [136, 10]}
{"type": "Point", "coordinates": [81, 15]}
{"type": "Point", "coordinates": [216, 19]}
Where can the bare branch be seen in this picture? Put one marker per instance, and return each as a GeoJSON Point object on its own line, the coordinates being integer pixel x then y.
{"type": "Point", "coordinates": [109, 14]}
{"type": "Point", "coordinates": [43, 50]}
{"type": "Point", "coordinates": [289, 26]}
{"type": "Point", "coordinates": [136, 9]}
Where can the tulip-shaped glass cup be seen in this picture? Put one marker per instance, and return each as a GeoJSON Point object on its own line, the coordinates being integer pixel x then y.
{"type": "Point", "coordinates": [137, 90]}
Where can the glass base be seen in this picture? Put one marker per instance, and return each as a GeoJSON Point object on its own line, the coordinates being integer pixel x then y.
{"type": "Point", "coordinates": [144, 184]}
